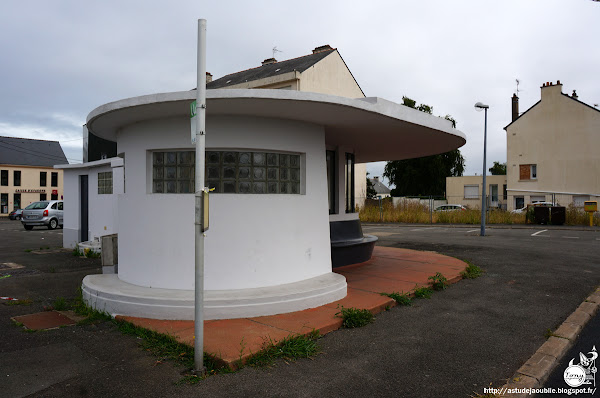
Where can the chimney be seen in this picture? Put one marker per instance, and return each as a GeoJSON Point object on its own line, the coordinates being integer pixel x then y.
{"type": "Point", "coordinates": [575, 96]}
{"type": "Point", "coordinates": [515, 107]}
{"type": "Point", "coordinates": [208, 77]}
{"type": "Point", "coordinates": [269, 61]}
{"type": "Point", "coordinates": [376, 179]}
{"type": "Point", "coordinates": [326, 47]}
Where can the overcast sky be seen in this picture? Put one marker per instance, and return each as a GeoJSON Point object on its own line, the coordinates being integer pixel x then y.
{"type": "Point", "coordinates": [62, 59]}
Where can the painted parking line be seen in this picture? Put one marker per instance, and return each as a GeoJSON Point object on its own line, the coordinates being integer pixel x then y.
{"type": "Point", "coordinates": [571, 237]}
{"type": "Point", "coordinates": [424, 229]}
{"type": "Point", "coordinates": [538, 232]}
{"type": "Point", "coordinates": [473, 230]}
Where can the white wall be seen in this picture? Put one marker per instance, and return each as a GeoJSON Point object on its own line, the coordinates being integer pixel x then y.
{"type": "Point", "coordinates": [253, 241]}
{"type": "Point", "coordinates": [102, 209]}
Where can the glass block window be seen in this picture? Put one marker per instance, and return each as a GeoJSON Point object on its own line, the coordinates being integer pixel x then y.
{"type": "Point", "coordinates": [173, 172]}
{"type": "Point", "coordinates": [105, 183]}
{"type": "Point", "coordinates": [228, 172]}
{"type": "Point", "coordinates": [253, 172]}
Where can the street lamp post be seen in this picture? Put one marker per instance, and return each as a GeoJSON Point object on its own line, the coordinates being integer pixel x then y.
{"type": "Point", "coordinates": [479, 106]}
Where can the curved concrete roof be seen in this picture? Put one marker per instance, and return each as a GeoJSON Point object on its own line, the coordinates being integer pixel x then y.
{"type": "Point", "coordinates": [377, 129]}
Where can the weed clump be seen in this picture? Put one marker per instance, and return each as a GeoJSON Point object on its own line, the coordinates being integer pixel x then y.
{"type": "Point", "coordinates": [438, 282]}
{"type": "Point", "coordinates": [291, 348]}
{"type": "Point", "coordinates": [423, 292]}
{"type": "Point", "coordinates": [355, 317]}
{"type": "Point", "coordinates": [472, 271]}
{"type": "Point", "coordinates": [399, 298]}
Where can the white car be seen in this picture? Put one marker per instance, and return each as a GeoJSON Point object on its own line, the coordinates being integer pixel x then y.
{"type": "Point", "coordinates": [536, 204]}
{"type": "Point", "coordinates": [450, 208]}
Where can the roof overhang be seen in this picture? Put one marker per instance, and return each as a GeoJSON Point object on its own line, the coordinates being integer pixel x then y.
{"type": "Point", "coordinates": [375, 128]}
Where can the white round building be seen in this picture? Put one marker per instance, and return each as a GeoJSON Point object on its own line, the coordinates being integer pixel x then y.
{"type": "Point", "coordinates": [281, 165]}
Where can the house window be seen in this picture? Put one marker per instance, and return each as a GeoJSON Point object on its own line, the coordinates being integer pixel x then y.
{"type": "Point", "coordinates": [331, 180]}
{"type": "Point", "coordinates": [527, 172]}
{"type": "Point", "coordinates": [43, 196]}
{"type": "Point", "coordinates": [519, 202]}
{"type": "Point", "coordinates": [578, 200]}
{"type": "Point", "coordinates": [4, 203]}
{"type": "Point", "coordinates": [494, 193]}
{"type": "Point", "coordinates": [538, 198]}
{"type": "Point", "coordinates": [350, 208]}
{"type": "Point", "coordinates": [105, 183]}
{"type": "Point", "coordinates": [54, 179]}
{"type": "Point", "coordinates": [4, 178]}
{"type": "Point", "coordinates": [471, 191]}
{"type": "Point", "coordinates": [43, 176]}
{"type": "Point", "coordinates": [17, 200]}
{"type": "Point", "coordinates": [504, 192]}
{"type": "Point", "coordinates": [228, 172]}
{"type": "Point", "coordinates": [17, 178]}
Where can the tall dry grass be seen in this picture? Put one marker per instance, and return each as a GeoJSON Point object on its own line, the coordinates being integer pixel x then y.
{"type": "Point", "coordinates": [412, 212]}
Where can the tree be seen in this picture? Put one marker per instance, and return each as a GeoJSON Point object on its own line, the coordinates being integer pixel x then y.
{"type": "Point", "coordinates": [498, 169]}
{"type": "Point", "coordinates": [371, 193]}
{"type": "Point", "coordinates": [425, 175]}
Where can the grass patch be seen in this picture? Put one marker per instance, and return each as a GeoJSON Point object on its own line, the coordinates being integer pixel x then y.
{"type": "Point", "coordinates": [472, 271]}
{"type": "Point", "coordinates": [77, 252]}
{"type": "Point", "coordinates": [423, 292]}
{"type": "Point", "coordinates": [354, 317]}
{"type": "Point", "coordinates": [399, 298]}
{"type": "Point", "coordinates": [438, 281]}
{"type": "Point", "coordinates": [549, 333]}
{"type": "Point", "coordinates": [60, 304]}
{"type": "Point", "coordinates": [291, 348]}
{"type": "Point", "coordinates": [28, 250]}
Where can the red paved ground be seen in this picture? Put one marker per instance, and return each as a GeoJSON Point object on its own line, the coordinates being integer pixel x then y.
{"type": "Point", "coordinates": [389, 270]}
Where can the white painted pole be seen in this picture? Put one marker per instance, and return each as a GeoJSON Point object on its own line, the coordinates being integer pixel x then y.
{"type": "Point", "coordinates": [199, 368]}
{"type": "Point", "coordinates": [483, 190]}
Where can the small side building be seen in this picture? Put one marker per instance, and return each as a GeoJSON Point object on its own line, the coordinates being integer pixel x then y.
{"type": "Point", "coordinates": [467, 191]}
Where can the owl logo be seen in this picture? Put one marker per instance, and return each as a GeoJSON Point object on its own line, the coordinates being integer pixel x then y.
{"type": "Point", "coordinates": [584, 372]}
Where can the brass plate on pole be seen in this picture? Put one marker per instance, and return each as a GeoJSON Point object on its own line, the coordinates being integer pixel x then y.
{"type": "Point", "coordinates": [204, 215]}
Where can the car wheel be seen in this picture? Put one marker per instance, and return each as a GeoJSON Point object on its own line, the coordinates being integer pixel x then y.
{"type": "Point", "coordinates": [53, 224]}
{"type": "Point", "coordinates": [18, 218]}
{"type": "Point", "coordinates": [28, 227]}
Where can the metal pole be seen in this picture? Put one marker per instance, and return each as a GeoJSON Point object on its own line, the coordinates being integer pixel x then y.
{"type": "Point", "coordinates": [483, 195]}
{"type": "Point", "coordinates": [199, 368]}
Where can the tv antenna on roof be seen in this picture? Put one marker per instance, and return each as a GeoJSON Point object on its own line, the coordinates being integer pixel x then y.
{"type": "Point", "coordinates": [275, 50]}
{"type": "Point", "coordinates": [517, 80]}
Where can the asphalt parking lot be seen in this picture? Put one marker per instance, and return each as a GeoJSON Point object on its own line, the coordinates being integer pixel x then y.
{"type": "Point", "coordinates": [476, 333]}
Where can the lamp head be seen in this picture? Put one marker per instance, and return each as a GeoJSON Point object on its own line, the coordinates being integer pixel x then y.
{"type": "Point", "coordinates": [480, 106]}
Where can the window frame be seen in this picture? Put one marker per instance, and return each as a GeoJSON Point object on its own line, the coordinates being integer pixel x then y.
{"type": "Point", "coordinates": [54, 179]}
{"type": "Point", "coordinates": [332, 167]}
{"type": "Point", "coordinates": [4, 178]}
{"type": "Point", "coordinates": [470, 196]}
{"type": "Point", "coordinates": [263, 172]}
{"type": "Point", "coordinates": [17, 180]}
{"type": "Point", "coordinates": [350, 183]}
{"type": "Point", "coordinates": [43, 178]}
{"type": "Point", "coordinates": [105, 182]}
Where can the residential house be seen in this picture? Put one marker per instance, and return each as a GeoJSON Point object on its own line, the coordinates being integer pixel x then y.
{"type": "Point", "coordinates": [552, 150]}
{"type": "Point", "coordinates": [324, 71]}
{"type": "Point", "coordinates": [381, 190]}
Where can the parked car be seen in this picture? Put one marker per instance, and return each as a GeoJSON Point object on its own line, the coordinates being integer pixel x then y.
{"type": "Point", "coordinates": [47, 213]}
{"type": "Point", "coordinates": [16, 214]}
{"type": "Point", "coordinates": [450, 208]}
{"type": "Point", "coordinates": [536, 204]}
